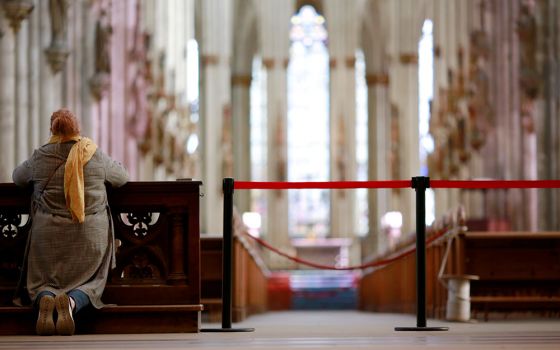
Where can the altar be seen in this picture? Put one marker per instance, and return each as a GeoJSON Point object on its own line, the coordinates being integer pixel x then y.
{"type": "Point", "coordinates": [325, 251]}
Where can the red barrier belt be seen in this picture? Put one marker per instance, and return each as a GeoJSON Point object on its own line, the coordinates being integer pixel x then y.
{"type": "Point", "coordinates": [481, 184]}
{"type": "Point", "coordinates": [374, 263]}
{"type": "Point", "coordinates": [246, 185]}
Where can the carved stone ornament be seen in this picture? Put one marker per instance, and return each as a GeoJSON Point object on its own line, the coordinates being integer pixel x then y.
{"type": "Point", "coordinates": [56, 56]}
{"type": "Point", "coordinates": [480, 44]}
{"type": "Point", "coordinates": [530, 77]}
{"type": "Point", "coordinates": [58, 51]}
{"type": "Point", "coordinates": [99, 84]}
{"type": "Point", "coordinates": [16, 11]}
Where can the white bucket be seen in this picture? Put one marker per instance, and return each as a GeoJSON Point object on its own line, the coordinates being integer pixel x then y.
{"type": "Point", "coordinates": [458, 299]}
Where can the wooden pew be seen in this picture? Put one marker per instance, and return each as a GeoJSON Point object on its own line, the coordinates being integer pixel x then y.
{"type": "Point", "coordinates": [211, 277]}
{"type": "Point", "coordinates": [516, 272]}
{"type": "Point", "coordinates": [519, 271]}
{"type": "Point", "coordinates": [250, 276]}
{"type": "Point", "coordinates": [156, 284]}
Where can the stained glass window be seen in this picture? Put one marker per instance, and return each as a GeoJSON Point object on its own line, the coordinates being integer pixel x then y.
{"type": "Point", "coordinates": [362, 219]}
{"type": "Point", "coordinates": [308, 123]}
{"type": "Point", "coordinates": [426, 93]}
{"type": "Point", "coordinates": [258, 138]}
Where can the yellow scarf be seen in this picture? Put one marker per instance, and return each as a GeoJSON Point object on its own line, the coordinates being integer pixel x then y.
{"type": "Point", "coordinates": [79, 155]}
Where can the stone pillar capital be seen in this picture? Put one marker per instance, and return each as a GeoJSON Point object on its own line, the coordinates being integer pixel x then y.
{"type": "Point", "coordinates": [377, 79]}
{"type": "Point", "coordinates": [56, 56]}
{"type": "Point", "coordinates": [16, 11]}
{"type": "Point", "coordinates": [350, 62]}
{"type": "Point", "coordinates": [208, 60]}
{"type": "Point", "coordinates": [243, 80]}
{"type": "Point", "coordinates": [268, 63]}
{"type": "Point", "coordinates": [408, 58]}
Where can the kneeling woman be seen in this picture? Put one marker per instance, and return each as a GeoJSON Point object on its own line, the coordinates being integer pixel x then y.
{"type": "Point", "coordinates": [70, 246]}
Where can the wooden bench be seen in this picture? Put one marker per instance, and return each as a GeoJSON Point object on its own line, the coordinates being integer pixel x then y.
{"type": "Point", "coordinates": [211, 277]}
{"type": "Point", "coordinates": [518, 271]}
{"type": "Point", "coordinates": [250, 276]}
{"type": "Point", "coordinates": [156, 284]}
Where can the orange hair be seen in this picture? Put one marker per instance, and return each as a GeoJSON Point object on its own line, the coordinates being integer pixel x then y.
{"type": "Point", "coordinates": [64, 123]}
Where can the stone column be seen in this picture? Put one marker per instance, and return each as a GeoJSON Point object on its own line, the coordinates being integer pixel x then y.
{"type": "Point", "coordinates": [241, 113]}
{"type": "Point", "coordinates": [517, 208]}
{"type": "Point", "coordinates": [450, 55]}
{"type": "Point", "coordinates": [476, 199]}
{"type": "Point", "coordinates": [378, 145]}
{"type": "Point", "coordinates": [119, 54]}
{"type": "Point", "coordinates": [527, 33]}
{"type": "Point", "coordinates": [404, 93]}
{"type": "Point", "coordinates": [214, 107]}
{"type": "Point", "coordinates": [277, 229]}
{"type": "Point", "coordinates": [15, 43]}
{"type": "Point", "coordinates": [376, 36]}
{"type": "Point", "coordinates": [86, 69]}
{"type": "Point", "coordinates": [502, 146]}
{"type": "Point", "coordinates": [21, 93]}
{"type": "Point", "coordinates": [342, 29]}
{"type": "Point", "coordinates": [33, 91]}
{"type": "Point", "coordinates": [50, 95]}
{"type": "Point", "coordinates": [274, 29]}
{"type": "Point", "coordinates": [547, 120]}
{"type": "Point", "coordinates": [7, 100]}
{"type": "Point", "coordinates": [245, 43]}
{"type": "Point", "coordinates": [440, 97]}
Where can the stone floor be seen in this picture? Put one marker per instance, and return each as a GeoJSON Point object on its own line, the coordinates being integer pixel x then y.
{"type": "Point", "coordinates": [322, 330]}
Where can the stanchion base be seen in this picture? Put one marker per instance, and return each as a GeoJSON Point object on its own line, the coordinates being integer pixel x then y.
{"type": "Point", "coordinates": [224, 330]}
{"type": "Point", "coordinates": [421, 329]}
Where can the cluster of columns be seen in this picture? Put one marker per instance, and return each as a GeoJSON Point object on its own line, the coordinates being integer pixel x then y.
{"type": "Point", "coordinates": [273, 29]}
{"type": "Point", "coordinates": [165, 116]}
{"type": "Point", "coordinates": [29, 88]}
{"type": "Point", "coordinates": [49, 57]}
{"type": "Point", "coordinates": [270, 28]}
{"type": "Point", "coordinates": [492, 60]}
{"type": "Point", "coordinates": [215, 107]}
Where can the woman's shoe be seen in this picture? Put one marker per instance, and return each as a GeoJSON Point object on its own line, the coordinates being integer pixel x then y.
{"type": "Point", "coordinates": [45, 321]}
{"type": "Point", "coordinates": [65, 321]}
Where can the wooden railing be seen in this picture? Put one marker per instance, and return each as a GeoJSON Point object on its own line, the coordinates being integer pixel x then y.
{"type": "Point", "coordinates": [156, 284]}
{"type": "Point", "coordinates": [392, 287]}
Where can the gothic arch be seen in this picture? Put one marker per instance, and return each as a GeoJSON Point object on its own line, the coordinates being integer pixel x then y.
{"type": "Point", "coordinates": [374, 32]}
{"type": "Point", "coordinates": [317, 4]}
{"type": "Point", "coordinates": [246, 38]}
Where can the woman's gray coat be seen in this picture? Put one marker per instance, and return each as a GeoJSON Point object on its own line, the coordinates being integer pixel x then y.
{"type": "Point", "coordinates": [63, 255]}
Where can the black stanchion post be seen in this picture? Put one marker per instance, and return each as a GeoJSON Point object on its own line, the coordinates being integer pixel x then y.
{"type": "Point", "coordinates": [420, 184]}
{"type": "Point", "coordinates": [227, 263]}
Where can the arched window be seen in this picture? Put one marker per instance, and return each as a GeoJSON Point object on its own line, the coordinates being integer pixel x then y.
{"type": "Point", "coordinates": [308, 123]}
{"type": "Point", "coordinates": [192, 142]}
{"type": "Point", "coordinates": [362, 219]}
{"type": "Point", "coordinates": [425, 96]}
{"type": "Point", "coordinates": [258, 144]}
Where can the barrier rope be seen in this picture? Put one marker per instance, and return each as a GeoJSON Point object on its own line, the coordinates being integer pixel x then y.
{"type": "Point", "coordinates": [375, 263]}
{"type": "Point", "coordinates": [465, 184]}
